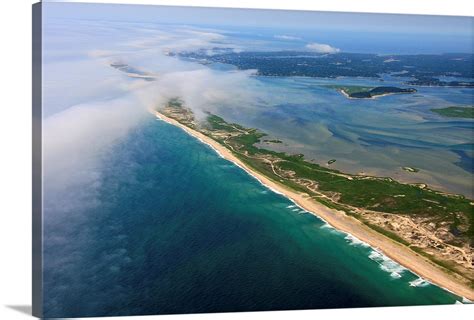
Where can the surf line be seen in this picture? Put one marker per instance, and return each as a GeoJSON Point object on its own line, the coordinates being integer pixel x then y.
{"type": "Point", "coordinates": [377, 250]}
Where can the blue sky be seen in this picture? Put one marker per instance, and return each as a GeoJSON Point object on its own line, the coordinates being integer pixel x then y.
{"type": "Point", "coordinates": [351, 32]}
{"type": "Point", "coordinates": [461, 26]}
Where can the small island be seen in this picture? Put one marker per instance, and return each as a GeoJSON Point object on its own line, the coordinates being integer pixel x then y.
{"type": "Point", "coordinates": [273, 141]}
{"type": "Point", "coordinates": [133, 72]}
{"type": "Point", "coordinates": [360, 92]}
{"type": "Point", "coordinates": [456, 112]}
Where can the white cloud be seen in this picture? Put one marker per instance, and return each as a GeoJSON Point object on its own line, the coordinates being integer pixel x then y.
{"type": "Point", "coordinates": [286, 37]}
{"type": "Point", "coordinates": [322, 48]}
{"type": "Point", "coordinates": [89, 106]}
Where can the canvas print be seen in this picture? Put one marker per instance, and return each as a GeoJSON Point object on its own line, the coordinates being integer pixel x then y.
{"type": "Point", "coordinates": [191, 160]}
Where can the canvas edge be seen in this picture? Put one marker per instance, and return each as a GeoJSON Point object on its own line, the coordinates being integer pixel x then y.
{"type": "Point", "coordinates": [37, 194]}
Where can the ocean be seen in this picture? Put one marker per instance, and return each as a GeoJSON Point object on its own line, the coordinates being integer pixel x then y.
{"type": "Point", "coordinates": [175, 228]}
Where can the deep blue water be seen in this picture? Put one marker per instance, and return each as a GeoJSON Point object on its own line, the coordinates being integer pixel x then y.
{"type": "Point", "coordinates": [174, 228]}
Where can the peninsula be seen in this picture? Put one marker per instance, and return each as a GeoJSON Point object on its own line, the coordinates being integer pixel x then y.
{"type": "Point", "coordinates": [417, 70]}
{"type": "Point", "coordinates": [427, 231]}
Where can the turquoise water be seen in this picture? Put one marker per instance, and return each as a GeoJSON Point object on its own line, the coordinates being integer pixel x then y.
{"type": "Point", "coordinates": [174, 228]}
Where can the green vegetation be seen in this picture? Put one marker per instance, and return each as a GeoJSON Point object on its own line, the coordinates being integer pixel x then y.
{"type": "Point", "coordinates": [373, 193]}
{"type": "Point", "coordinates": [350, 193]}
{"type": "Point", "coordinates": [175, 103]}
{"type": "Point", "coordinates": [425, 69]}
{"type": "Point", "coordinates": [350, 89]}
{"type": "Point", "coordinates": [360, 92]}
{"type": "Point", "coordinates": [273, 141]}
{"type": "Point", "coordinates": [386, 233]}
{"type": "Point", "coordinates": [456, 112]}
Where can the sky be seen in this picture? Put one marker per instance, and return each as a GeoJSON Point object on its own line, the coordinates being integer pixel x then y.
{"type": "Point", "coordinates": [346, 32]}
{"type": "Point", "coordinates": [461, 26]}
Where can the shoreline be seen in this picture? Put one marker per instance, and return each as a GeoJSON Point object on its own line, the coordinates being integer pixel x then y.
{"type": "Point", "coordinates": [399, 253]}
{"type": "Point", "coordinates": [359, 77]}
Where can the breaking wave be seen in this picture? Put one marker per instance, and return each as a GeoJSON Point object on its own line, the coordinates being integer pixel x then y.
{"type": "Point", "coordinates": [420, 282]}
{"type": "Point", "coordinates": [387, 264]}
{"type": "Point", "coordinates": [353, 241]}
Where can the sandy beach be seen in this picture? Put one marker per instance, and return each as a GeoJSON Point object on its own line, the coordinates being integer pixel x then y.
{"type": "Point", "coordinates": [339, 220]}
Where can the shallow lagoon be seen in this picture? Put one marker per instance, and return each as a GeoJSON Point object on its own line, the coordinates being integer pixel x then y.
{"type": "Point", "coordinates": [375, 136]}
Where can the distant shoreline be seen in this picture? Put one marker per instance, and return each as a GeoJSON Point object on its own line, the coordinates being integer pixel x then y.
{"type": "Point", "coordinates": [339, 220]}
